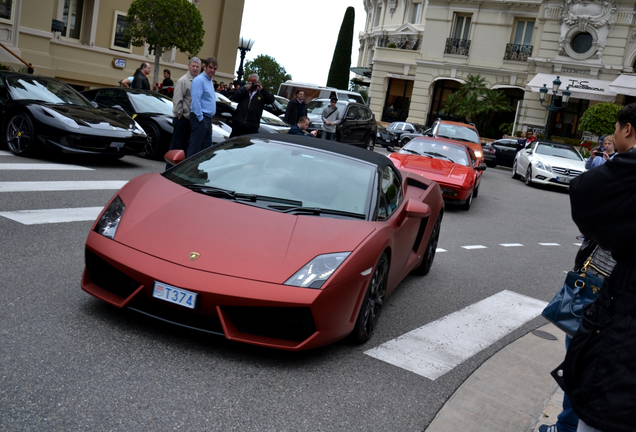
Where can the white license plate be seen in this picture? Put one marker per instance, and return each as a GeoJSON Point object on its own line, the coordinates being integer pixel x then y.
{"type": "Point", "coordinates": [174, 295]}
{"type": "Point", "coordinates": [563, 179]}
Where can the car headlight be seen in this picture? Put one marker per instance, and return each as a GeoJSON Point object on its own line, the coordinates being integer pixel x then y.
{"type": "Point", "coordinates": [315, 273]}
{"type": "Point", "coordinates": [478, 153]}
{"type": "Point", "coordinates": [138, 128]}
{"type": "Point", "coordinates": [110, 218]}
{"type": "Point", "coordinates": [544, 166]}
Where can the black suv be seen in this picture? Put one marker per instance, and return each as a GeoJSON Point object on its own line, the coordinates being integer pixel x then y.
{"type": "Point", "coordinates": [357, 123]}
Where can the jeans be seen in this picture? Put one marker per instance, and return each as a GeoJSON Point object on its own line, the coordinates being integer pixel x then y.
{"type": "Point", "coordinates": [180, 135]}
{"type": "Point", "coordinates": [567, 421]}
{"type": "Point", "coordinates": [331, 136]}
{"type": "Point", "coordinates": [200, 134]}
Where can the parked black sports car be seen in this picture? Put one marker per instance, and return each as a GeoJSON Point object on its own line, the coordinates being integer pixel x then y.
{"type": "Point", "coordinates": [153, 111]}
{"type": "Point", "coordinates": [386, 138]}
{"type": "Point", "coordinates": [44, 113]}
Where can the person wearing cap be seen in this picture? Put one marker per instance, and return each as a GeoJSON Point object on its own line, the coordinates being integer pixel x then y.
{"type": "Point", "coordinates": [601, 154]}
{"type": "Point", "coordinates": [330, 118]}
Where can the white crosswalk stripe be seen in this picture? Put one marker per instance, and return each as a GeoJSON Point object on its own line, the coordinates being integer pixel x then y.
{"type": "Point", "coordinates": [42, 167]}
{"type": "Point", "coordinates": [46, 216]}
{"type": "Point", "coordinates": [510, 244]}
{"type": "Point", "coordinates": [439, 346]}
{"type": "Point", "coordinates": [549, 244]}
{"type": "Point", "coordinates": [471, 247]}
{"type": "Point", "coordinates": [47, 186]}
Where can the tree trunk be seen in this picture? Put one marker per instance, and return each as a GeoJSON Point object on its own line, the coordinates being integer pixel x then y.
{"type": "Point", "coordinates": [155, 75]}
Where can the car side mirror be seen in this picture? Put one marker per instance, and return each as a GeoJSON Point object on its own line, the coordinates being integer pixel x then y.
{"type": "Point", "coordinates": [95, 105]}
{"type": "Point", "coordinates": [481, 167]}
{"type": "Point", "coordinates": [417, 209]}
{"type": "Point", "coordinates": [174, 157]}
{"type": "Point", "coordinates": [350, 117]}
{"type": "Point", "coordinates": [390, 149]}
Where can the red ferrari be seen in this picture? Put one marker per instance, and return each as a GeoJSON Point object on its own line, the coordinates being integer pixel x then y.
{"type": "Point", "coordinates": [285, 242]}
{"type": "Point", "coordinates": [451, 164]}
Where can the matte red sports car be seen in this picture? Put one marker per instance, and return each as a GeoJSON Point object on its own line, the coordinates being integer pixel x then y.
{"type": "Point", "coordinates": [451, 164]}
{"type": "Point", "coordinates": [286, 242]}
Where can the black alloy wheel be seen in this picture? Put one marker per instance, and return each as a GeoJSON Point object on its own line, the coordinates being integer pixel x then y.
{"type": "Point", "coordinates": [469, 201]}
{"type": "Point", "coordinates": [370, 145]}
{"type": "Point", "coordinates": [528, 178]}
{"type": "Point", "coordinates": [372, 303]}
{"type": "Point", "coordinates": [404, 141]}
{"type": "Point", "coordinates": [431, 249]}
{"type": "Point", "coordinates": [20, 135]}
{"type": "Point", "coordinates": [151, 149]}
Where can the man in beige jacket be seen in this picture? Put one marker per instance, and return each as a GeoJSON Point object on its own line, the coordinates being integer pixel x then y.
{"type": "Point", "coordinates": [181, 107]}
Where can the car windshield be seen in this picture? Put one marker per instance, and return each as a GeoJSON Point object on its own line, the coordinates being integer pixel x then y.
{"type": "Point", "coordinates": [457, 132]}
{"type": "Point", "coordinates": [438, 150]}
{"type": "Point", "coordinates": [315, 107]}
{"type": "Point", "coordinates": [562, 151]}
{"type": "Point", "coordinates": [282, 101]}
{"type": "Point", "coordinates": [274, 174]}
{"type": "Point", "coordinates": [151, 103]}
{"type": "Point", "coordinates": [271, 119]}
{"type": "Point", "coordinates": [45, 90]}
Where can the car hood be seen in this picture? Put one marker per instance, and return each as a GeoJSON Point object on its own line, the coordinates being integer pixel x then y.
{"type": "Point", "coordinates": [561, 162]}
{"type": "Point", "coordinates": [435, 169]}
{"type": "Point", "coordinates": [94, 118]}
{"type": "Point", "coordinates": [170, 222]}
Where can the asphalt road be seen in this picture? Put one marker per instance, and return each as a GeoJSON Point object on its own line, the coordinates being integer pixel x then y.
{"type": "Point", "coordinates": [70, 362]}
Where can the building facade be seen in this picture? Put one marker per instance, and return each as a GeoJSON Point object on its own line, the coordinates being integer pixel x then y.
{"type": "Point", "coordinates": [418, 52]}
{"type": "Point", "coordinates": [89, 51]}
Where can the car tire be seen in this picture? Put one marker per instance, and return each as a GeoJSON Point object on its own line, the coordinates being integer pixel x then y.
{"type": "Point", "coordinates": [20, 135]}
{"type": "Point", "coordinates": [151, 149]}
{"type": "Point", "coordinates": [431, 249]}
{"type": "Point", "coordinates": [370, 143]}
{"type": "Point", "coordinates": [528, 178]}
{"type": "Point", "coordinates": [514, 170]}
{"type": "Point", "coordinates": [476, 191]}
{"type": "Point", "coordinates": [469, 201]}
{"type": "Point", "coordinates": [404, 141]}
{"type": "Point", "coordinates": [372, 302]}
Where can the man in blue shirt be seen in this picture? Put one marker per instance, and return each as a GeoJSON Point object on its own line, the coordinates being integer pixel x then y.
{"type": "Point", "coordinates": [203, 107]}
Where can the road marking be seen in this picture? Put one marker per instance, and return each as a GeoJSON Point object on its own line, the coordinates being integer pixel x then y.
{"type": "Point", "coordinates": [42, 167]}
{"type": "Point", "coordinates": [440, 250]}
{"type": "Point", "coordinates": [577, 244]}
{"type": "Point", "coordinates": [549, 244]}
{"type": "Point", "coordinates": [510, 244]}
{"type": "Point", "coordinates": [474, 247]}
{"type": "Point", "coordinates": [6, 153]}
{"type": "Point", "coordinates": [439, 346]}
{"type": "Point", "coordinates": [41, 186]}
{"type": "Point", "coordinates": [34, 217]}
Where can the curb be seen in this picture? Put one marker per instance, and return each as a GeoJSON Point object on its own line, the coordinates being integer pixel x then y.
{"type": "Point", "coordinates": [512, 391]}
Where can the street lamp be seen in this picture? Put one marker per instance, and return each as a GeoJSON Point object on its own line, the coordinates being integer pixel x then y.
{"type": "Point", "coordinates": [244, 46]}
{"type": "Point", "coordinates": [543, 91]}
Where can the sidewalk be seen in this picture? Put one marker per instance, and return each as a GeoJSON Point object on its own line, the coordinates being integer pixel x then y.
{"type": "Point", "coordinates": [512, 391]}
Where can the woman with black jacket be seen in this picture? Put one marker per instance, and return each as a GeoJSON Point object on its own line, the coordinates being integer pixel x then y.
{"type": "Point", "coordinates": [599, 370]}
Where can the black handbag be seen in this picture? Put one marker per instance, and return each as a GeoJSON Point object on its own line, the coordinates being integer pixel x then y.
{"type": "Point", "coordinates": [580, 288]}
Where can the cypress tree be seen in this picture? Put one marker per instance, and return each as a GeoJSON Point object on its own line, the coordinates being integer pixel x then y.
{"type": "Point", "coordinates": [341, 61]}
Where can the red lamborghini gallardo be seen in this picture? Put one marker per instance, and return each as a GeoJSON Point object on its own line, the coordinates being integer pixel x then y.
{"type": "Point", "coordinates": [285, 242]}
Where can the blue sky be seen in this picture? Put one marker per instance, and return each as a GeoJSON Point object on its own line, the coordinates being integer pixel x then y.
{"type": "Point", "coordinates": [300, 34]}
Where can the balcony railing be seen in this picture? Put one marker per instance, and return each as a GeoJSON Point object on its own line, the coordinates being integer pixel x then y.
{"type": "Point", "coordinates": [457, 46]}
{"type": "Point", "coordinates": [518, 52]}
{"type": "Point", "coordinates": [402, 42]}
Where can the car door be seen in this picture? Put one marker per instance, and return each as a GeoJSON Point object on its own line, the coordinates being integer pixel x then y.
{"type": "Point", "coordinates": [349, 125]}
{"type": "Point", "coordinates": [523, 158]}
{"type": "Point", "coordinates": [506, 151]}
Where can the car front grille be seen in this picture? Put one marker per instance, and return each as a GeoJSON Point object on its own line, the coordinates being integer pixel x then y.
{"type": "Point", "coordinates": [175, 315]}
{"type": "Point", "coordinates": [108, 277]}
{"type": "Point", "coordinates": [566, 171]}
{"type": "Point", "coordinates": [286, 323]}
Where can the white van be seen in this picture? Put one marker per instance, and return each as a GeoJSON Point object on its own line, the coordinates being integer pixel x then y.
{"type": "Point", "coordinates": [289, 89]}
